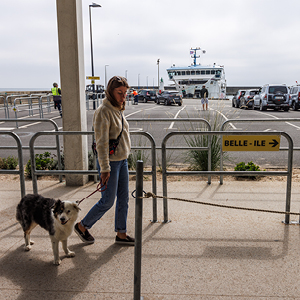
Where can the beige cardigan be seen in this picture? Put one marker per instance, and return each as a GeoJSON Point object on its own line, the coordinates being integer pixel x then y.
{"type": "Point", "coordinates": [107, 124]}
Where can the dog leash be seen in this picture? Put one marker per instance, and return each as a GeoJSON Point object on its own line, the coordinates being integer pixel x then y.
{"type": "Point", "coordinates": [100, 188]}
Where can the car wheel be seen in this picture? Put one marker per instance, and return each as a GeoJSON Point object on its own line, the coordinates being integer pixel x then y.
{"type": "Point", "coordinates": [157, 101]}
{"type": "Point", "coordinates": [294, 106]}
{"type": "Point", "coordinates": [166, 102]}
{"type": "Point", "coordinates": [232, 104]}
{"type": "Point", "coordinates": [179, 103]}
{"type": "Point", "coordinates": [261, 107]}
{"type": "Point", "coordinates": [145, 100]}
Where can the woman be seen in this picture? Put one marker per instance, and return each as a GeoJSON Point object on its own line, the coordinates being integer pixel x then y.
{"type": "Point", "coordinates": [109, 123]}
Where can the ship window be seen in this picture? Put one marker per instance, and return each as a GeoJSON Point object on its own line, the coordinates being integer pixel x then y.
{"type": "Point", "coordinates": [188, 72]}
{"type": "Point", "coordinates": [203, 72]}
{"type": "Point", "coordinates": [207, 72]}
{"type": "Point", "coordinates": [213, 72]}
{"type": "Point", "coordinates": [177, 73]}
{"type": "Point", "coordinates": [183, 73]}
{"type": "Point", "coordinates": [197, 72]}
{"type": "Point", "coordinates": [192, 72]}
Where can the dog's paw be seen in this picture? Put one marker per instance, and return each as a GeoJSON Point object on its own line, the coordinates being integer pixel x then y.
{"type": "Point", "coordinates": [57, 262]}
{"type": "Point", "coordinates": [71, 254]}
{"type": "Point", "coordinates": [31, 242]}
{"type": "Point", "coordinates": [27, 248]}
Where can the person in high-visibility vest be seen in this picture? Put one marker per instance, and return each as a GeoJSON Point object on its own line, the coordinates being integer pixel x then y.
{"type": "Point", "coordinates": [56, 92]}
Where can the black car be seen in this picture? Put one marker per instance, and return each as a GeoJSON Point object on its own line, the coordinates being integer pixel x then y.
{"type": "Point", "coordinates": [147, 95]}
{"type": "Point", "coordinates": [169, 97]}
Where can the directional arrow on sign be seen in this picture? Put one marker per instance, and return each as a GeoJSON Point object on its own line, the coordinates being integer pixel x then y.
{"type": "Point", "coordinates": [274, 143]}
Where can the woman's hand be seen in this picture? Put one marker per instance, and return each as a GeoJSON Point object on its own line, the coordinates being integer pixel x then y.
{"type": "Point", "coordinates": [104, 177]}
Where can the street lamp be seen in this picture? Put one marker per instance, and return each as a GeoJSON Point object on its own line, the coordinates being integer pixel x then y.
{"type": "Point", "coordinates": [138, 81]}
{"type": "Point", "coordinates": [126, 74]}
{"type": "Point", "coordinates": [92, 59]}
{"type": "Point", "coordinates": [105, 74]}
{"type": "Point", "coordinates": [158, 75]}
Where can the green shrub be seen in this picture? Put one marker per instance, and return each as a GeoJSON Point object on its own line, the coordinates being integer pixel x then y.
{"type": "Point", "coordinates": [43, 161]}
{"type": "Point", "coordinates": [198, 159]}
{"type": "Point", "coordinates": [134, 157]}
{"type": "Point", "coordinates": [250, 166]}
{"type": "Point", "coordinates": [9, 163]}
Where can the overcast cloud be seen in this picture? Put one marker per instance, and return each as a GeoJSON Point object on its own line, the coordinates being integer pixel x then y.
{"type": "Point", "coordinates": [256, 40]}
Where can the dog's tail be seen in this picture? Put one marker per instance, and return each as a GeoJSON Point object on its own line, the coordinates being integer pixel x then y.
{"type": "Point", "coordinates": [19, 216]}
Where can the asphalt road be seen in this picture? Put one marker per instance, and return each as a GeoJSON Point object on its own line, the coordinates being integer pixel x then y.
{"type": "Point", "coordinates": [219, 111]}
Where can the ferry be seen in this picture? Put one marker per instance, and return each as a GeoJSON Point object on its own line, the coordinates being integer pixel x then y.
{"type": "Point", "coordinates": [189, 80]}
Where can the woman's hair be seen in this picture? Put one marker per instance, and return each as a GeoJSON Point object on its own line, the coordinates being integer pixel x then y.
{"type": "Point", "coordinates": [114, 83]}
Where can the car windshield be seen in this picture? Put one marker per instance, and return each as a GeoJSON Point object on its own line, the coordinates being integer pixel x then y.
{"type": "Point", "coordinates": [152, 93]}
{"type": "Point", "coordinates": [253, 93]}
{"type": "Point", "coordinates": [276, 89]}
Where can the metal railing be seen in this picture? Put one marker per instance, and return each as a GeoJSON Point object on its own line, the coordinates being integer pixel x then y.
{"type": "Point", "coordinates": [252, 120]}
{"type": "Point", "coordinates": [57, 147]}
{"type": "Point", "coordinates": [35, 172]}
{"type": "Point", "coordinates": [96, 102]}
{"type": "Point", "coordinates": [287, 173]}
{"type": "Point", "coordinates": [6, 106]}
{"type": "Point", "coordinates": [20, 160]}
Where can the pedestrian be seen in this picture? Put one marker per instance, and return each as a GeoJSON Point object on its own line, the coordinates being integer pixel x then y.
{"type": "Point", "coordinates": [111, 126]}
{"type": "Point", "coordinates": [56, 92]}
{"type": "Point", "coordinates": [135, 97]}
{"type": "Point", "coordinates": [204, 97]}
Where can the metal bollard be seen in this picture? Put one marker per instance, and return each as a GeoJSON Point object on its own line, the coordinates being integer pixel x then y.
{"type": "Point", "coordinates": [138, 230]}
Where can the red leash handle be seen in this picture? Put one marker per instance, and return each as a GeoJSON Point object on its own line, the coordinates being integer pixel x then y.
{"type": "Point", "coordinates": [100, 188]}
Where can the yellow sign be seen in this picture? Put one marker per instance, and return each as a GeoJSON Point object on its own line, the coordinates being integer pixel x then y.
{"type": "Point", "coordinates": [251, 142]}
{"type": "Point", "coordinates": [93, 77]}
{"type": "Point", "coordinates": [93, 81]}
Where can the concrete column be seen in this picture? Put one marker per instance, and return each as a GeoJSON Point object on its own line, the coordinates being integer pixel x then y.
{"type": "Point", "coordinates": [71, 59]}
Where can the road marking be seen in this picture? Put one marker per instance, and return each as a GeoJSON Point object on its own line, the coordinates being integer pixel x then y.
{"type": "Point", "coordinates": [28, 125]}
{"type": "Point", "coordinates": [175, 117]}
{"type": "Point", "coordinates": [279, 119]}
{"type": "Point", "coordinates": [233, 127]}
{"type": "Point", "coordinates": [7, 128]}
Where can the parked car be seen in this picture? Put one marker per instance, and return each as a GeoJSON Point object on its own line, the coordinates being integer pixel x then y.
{"type": "Point", "coordinates": [275, 96]}
{"type": "Point", "coordinates": [99, 89]}
{"type": "Point", "coordinates": [147, 95]}
{"type": "Point", "coordinates": [246, 101]}
{"type": "Point", "coordinates": [295, 97]}
{"type": "Point", "coordinates": [169, 97]}
{"type": "Point", "coordinates": [237, 98]}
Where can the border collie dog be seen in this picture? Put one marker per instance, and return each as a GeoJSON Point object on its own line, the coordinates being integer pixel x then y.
{"type": "Point", "coordinates": [55, 216]}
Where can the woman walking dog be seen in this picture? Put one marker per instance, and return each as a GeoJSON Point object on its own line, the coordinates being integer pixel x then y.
{"type": "Point", "coordinates": [113, 147]}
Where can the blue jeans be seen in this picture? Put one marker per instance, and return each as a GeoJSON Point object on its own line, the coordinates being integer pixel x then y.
{"type": "Point", "coordinates": [118, 186]}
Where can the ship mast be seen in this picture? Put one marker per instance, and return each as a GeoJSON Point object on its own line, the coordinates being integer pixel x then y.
{"type": "Point", "coordinates": [194, 52]}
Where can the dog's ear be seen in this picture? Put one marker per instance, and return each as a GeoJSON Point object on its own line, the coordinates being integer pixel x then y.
{"type": "Point", "coordinates": [56, 206]}
{"type": "Point", "coordinates": [76, 206]}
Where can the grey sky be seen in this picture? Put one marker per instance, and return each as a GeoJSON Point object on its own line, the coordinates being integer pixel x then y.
{"type": "Point", "coordinates": [256, 40]}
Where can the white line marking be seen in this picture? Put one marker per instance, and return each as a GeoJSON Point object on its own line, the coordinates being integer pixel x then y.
{"type": "Point", "coordinates": [28, 125]}
{"type": "Point", "coordinates": [7, 128]}
{"type": "Point", "coordinates": [172, 124]}
{"type": "Point", "coordinates": [225, 118]}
